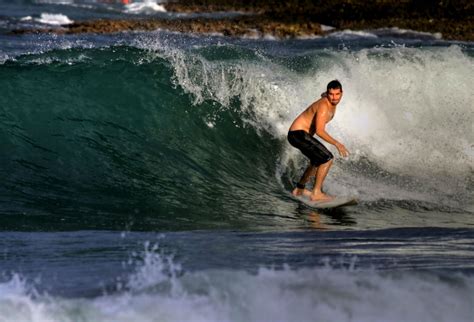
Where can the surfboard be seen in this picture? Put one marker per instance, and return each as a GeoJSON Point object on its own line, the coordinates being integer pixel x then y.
{"type": "Point", "coordinates": [341, 201]}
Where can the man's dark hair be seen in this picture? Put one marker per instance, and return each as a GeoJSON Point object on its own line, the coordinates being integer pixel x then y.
{"type": "Point", "coordinates": [334, 84]}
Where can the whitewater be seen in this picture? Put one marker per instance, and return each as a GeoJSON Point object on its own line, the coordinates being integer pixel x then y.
{"type": "Point", "coordinates": [146, 176]}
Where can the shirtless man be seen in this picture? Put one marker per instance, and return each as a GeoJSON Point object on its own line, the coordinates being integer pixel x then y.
{"type": "Point", "coordinates": [312, 121]}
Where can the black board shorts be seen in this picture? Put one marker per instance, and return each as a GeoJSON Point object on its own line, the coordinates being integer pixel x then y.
{"type": "Point", "coordinates": [310, 147]}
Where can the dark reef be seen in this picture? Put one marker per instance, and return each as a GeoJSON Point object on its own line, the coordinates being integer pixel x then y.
{"type": "Point", "coordinates": [296, 18]}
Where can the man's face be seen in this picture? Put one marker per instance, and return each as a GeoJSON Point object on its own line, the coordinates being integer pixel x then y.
{"type": "Point", "coordinates": [334, 95]}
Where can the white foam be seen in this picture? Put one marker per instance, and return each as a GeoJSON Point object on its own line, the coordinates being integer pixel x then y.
{"type": "Point", "coordinates": [306, 37]}
{"type": "Point", "coordinates": [54, 19]}
{"type": "Point", "coordinates": [54, 1]}
{"type": "Point", "coordinates": [409, 109]}
{"type": "Point", "coordinates": [156, 293]}
{"type": "Point", "coordinates": [50, 60]}
{"type": "Point", "coordinates": [327, 28]}
{"type": "Point", "coordinates": [147, 6]}
{"type": "Point", "coordinates": [410, 32]}
{"type": "Point", "coordinates": [4, 58]}
{"type": "Point", "coordinates": [348, 34]}
{"type": "Point", "coordinates": [17, 303]}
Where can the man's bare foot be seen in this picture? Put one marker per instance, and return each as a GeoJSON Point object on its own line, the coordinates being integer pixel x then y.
{"type": "Point", "coordinates": [320, 197]}
{"type": "Point", "coordinates": [301, 192]}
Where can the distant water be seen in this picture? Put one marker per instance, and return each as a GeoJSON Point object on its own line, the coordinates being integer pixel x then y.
{"type": "Point", "coordinates": [147, 177]}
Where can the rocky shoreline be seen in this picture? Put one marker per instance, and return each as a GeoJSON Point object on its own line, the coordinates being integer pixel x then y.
{"type": "Point", "coordinates": [454, 20]}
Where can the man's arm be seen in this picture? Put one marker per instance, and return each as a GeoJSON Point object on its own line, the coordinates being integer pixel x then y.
{"type": "Point", "coordinates": [322, 118]}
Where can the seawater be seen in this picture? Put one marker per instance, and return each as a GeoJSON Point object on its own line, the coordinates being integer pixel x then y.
{"type": "Point", "coordinates": [146, 176]}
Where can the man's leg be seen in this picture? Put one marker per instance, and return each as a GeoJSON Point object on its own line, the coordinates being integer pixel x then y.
{"type": "Point", "coordinates": [317, 194]}
{"type": "Point", "coordinates": [308, 173]}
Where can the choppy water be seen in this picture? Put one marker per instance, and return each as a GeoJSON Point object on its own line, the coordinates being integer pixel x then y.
{"type": "Point", "coordinates": [146, 176]}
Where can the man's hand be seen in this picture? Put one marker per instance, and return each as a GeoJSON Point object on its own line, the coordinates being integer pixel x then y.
{"type": "Point", "coordinates": [342, 150]}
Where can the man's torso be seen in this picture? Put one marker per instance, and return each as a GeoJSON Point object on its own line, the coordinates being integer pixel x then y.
{"type": "Point", "coordinates": [306, 121]}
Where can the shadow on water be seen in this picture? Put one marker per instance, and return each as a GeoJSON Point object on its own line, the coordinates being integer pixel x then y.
{"type": "Point", "coordinates": [325, 218]}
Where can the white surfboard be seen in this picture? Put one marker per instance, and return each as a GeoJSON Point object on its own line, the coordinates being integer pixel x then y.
{"type": "Point", "coordinates": [342, 201]}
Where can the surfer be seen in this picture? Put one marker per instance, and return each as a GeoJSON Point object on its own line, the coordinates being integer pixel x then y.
{"type": "Point", "coordinates": [312, 121]}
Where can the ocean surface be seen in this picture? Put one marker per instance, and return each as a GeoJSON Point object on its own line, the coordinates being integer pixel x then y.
{"type": "Point", "coordinates": [146, 176]}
